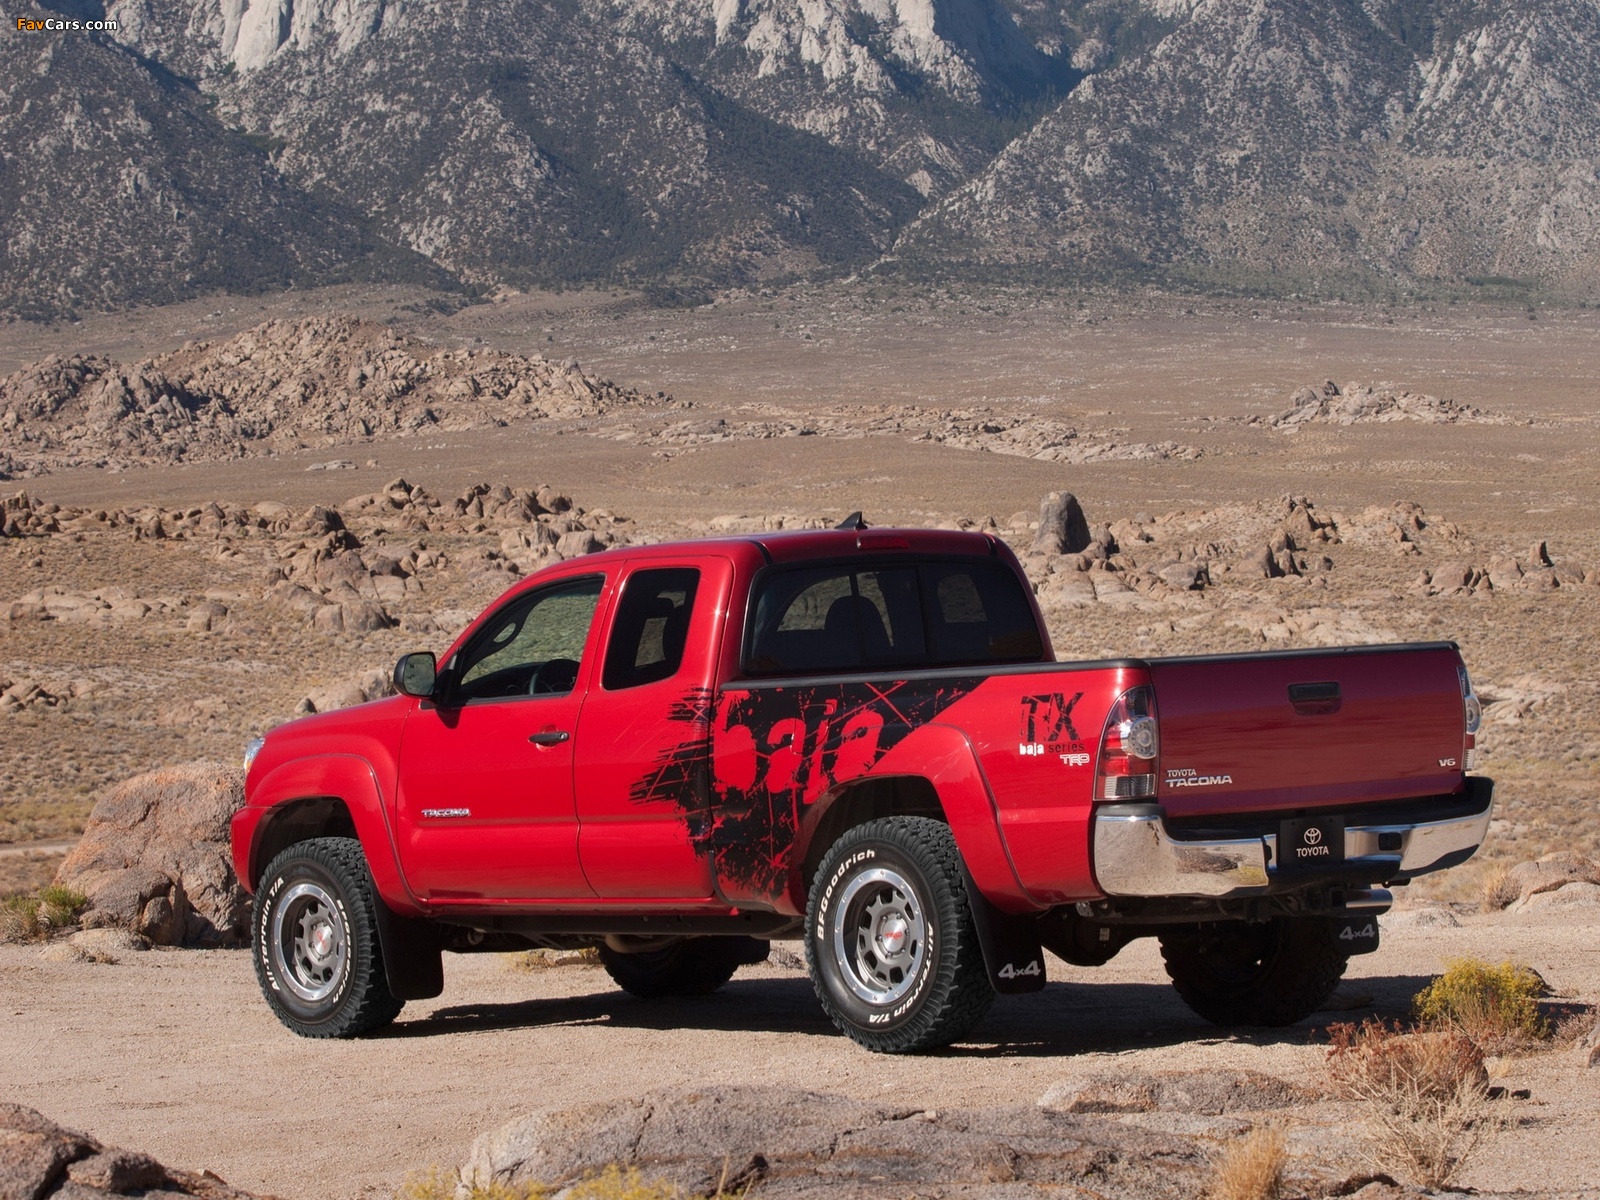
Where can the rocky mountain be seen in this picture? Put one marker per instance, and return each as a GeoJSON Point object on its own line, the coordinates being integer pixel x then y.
{"type": "Point", "coordinates": [124, 187]}
{"type": "Point", "coordinates": [1277, 145]}
{"type": "Point", "coordinates": [557, 141]}
{"type": "Point", "coordinates": [1285, 145]}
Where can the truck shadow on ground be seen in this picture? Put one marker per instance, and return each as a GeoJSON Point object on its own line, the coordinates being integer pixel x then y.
{"type": "Point", "coordinates": [1065, 1019]}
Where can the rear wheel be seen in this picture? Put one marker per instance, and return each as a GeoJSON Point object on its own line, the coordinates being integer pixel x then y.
{"type": "Point", "coordinates": [691, 967]}
{"type": "Point", "coordinates": [1274, 973]}
{"type": "Point", "coordinates": [890, 942]}
{"type": "Point", "coordinates": [316, 941]}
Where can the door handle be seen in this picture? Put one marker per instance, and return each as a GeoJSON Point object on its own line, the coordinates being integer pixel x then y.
{"type": "Point", "coordinates": [549, 737]}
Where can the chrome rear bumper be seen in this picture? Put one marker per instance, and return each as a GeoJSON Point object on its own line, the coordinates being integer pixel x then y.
{"type": "Point", "coordinates": [1136, 855]}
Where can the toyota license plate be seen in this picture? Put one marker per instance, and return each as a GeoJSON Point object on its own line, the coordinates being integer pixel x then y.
{"type": "Point", "coordinates": [1310, 842]}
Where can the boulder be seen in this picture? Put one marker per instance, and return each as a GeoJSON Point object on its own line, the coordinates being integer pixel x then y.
{"type": "Point", "coordinates": [1063, 529]}
{"type": "Point", "coordinates": [39, 1159]}
{"type": "Point", "coordinates": [1207, 1093]}
{"type": "Point", "coordinates": [788, 1144]}
{"type": "Point", "coordinates": [1542, 875]}
{"type": "Point", "coordinates": [155, 857]}
{"type": "Point", "coordinates": [1578, 894]}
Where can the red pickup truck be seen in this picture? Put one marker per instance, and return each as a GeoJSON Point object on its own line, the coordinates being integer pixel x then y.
{"type": "Point", "coordinates": [859, 738]}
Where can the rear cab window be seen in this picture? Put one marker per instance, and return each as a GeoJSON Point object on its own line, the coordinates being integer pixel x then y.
{"type": "Point", "coordinates": [868, 616]}
{"type": "Point", "coordinates": [651, 628]}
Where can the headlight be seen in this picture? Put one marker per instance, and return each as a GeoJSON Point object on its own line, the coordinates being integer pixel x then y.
{"type": "Point", "coordinates": [252, 749]}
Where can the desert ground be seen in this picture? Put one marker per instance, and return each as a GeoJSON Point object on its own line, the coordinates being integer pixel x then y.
{"type": "Point", "coordinates": [173, 1052]}
{"type": "Point", "coordinates": [161, 613]}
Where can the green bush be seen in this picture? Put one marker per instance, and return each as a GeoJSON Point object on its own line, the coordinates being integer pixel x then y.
{"type": "Point", "coordinates": [1493, 1005]}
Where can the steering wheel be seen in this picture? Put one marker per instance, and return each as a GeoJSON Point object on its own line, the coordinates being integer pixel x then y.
{"type": "Point", "coordinates": [554, 677]}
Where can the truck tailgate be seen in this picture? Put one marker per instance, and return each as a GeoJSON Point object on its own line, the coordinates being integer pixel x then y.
{"type": "Point", "coordinates": [1308, 729]}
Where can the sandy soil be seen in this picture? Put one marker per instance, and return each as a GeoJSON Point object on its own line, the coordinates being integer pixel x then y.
{"type": "Point", "coordinates": [174, 1052]}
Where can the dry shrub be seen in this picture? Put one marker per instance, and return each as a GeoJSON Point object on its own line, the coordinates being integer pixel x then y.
{"type": "Point", "coordinates": [619, 1183]}
{"type": "Point", "coordinates": [1499, 889]}
{"type": "Point", "coordinates": [435, 1183]}
{"type": "Point", "coordinates": [1252, 1168]}
{"type": "Point", "coordinates": [1427, 1095]}
{"type": "Point", "coordinates": [1497, 1007]}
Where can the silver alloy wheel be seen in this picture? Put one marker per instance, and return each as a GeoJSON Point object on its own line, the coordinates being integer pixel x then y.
{"type": "Point", "coordinates": [310, 944]}
{"type": "Point", "coordinates": [880, 935]}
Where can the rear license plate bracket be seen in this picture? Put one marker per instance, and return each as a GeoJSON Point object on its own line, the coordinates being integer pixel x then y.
{"type": "Point", "coordinates": [1310, 843]}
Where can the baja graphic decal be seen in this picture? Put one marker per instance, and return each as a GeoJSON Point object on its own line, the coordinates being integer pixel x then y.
{"type": "Point", "coordinates": [780, 749]}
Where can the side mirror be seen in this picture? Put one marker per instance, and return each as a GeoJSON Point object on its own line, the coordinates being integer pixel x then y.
{"type": "Point", "coordinates": [416, 674]}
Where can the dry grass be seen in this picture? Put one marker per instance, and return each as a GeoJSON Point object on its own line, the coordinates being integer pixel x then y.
{"type": "Point", "coordinates": [1426, 1096]}
{"type": "Point", "coordinates": [1252, 1167]}
{"type": "Point", "coordinates": [613, 1183]}
{"type": "Point", "coordinates": [1497, 1007]}
{"type": "Point", "coordinates": [35, 918]}
{"type": "Point", "coordinates": [544, 960]}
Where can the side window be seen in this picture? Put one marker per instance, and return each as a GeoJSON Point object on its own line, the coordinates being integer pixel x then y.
{"type": "Point", "coordinates": [531, 647]}
{"type": "Point", "coordinates": [835, 619]}
{"type": "Point", "coordinates": [651, 627]}
{"type": "Point", "coordinates": [979, 613]}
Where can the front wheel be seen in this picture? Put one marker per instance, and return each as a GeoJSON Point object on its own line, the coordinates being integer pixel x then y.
{"type": "Point", "coordinates": [316, 941]}
{"type": "Point", "coordinates": [890, 941]}
{"type": "Point", "coordinates": [1274, 973]}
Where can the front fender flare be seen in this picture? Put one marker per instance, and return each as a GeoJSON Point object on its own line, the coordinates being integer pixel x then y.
{"type": "Point", "coordinates": [348, 778]}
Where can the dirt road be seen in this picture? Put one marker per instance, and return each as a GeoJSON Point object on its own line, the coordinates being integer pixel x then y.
{"type": "Point", "coordinates": [175, 1053]}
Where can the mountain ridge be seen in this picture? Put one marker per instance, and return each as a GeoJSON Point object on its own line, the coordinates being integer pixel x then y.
{"type": "Point", "coordinates": [1238, 145]}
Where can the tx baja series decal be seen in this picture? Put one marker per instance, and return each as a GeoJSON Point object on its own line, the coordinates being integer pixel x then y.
{"type": "Point", "coordinates": [1047, 728]}
{"type": "Point", "coordinates": [778, 750]}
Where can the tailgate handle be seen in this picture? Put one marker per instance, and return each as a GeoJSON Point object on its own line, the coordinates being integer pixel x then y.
{"type": "Point", "coordinates": [1315, 699]}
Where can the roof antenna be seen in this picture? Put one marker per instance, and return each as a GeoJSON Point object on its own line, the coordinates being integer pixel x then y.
{"type": "Point", "coordinates": [853, 521]}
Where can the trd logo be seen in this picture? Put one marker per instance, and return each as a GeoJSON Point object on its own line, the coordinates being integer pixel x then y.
{"type": "Point", "coordinates": [1048, 718]}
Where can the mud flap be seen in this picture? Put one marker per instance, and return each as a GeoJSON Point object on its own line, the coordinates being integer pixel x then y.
{"type": "Point", "coordinates": [1356, 933]}
{"type": "Point", "coordinates": [1012, 952]}
{"type": "Point", "coordinates": [412, 958]}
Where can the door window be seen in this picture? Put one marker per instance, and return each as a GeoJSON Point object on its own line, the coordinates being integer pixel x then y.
{"type": "Point", "coordinates": [531, 647]}
{"type": "Point", "coordinates": [651, 628]}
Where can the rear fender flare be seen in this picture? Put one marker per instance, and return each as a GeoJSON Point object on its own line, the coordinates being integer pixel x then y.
{"type": "Point", "coordinates": [942, 755]}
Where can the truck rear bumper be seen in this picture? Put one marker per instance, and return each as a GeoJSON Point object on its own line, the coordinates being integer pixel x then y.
{"type": "Point", "coordinates": [1137, 854]}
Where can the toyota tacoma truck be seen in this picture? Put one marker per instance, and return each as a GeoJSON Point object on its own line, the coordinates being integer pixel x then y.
{"type": "Point", "coordinates": [861, 739]}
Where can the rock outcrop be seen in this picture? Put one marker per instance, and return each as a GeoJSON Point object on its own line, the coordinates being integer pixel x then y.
{"type": "Point", "coordinates": [1550, 873]}
{"type": "Point", "coordinates": [40, 1160]}
{"type": "Point", "coordinates": [279, 386]}
{"type": "Point", "coordinates": [1374, 403]}
{"type": "Point", "coordinates": [806, 1144]}
{"type": "Point", "coordinates": [155, 857]}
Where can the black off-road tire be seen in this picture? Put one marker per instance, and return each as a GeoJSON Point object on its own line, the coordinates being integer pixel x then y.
{"type": "Point", "coordinates": [1272, 974]}
{"type": "Point", "coordinates": [695, 966]}
{"type": "Point", "coordinates": [316, 941]}
{"type": "Point", "coordinates": [890, 940]}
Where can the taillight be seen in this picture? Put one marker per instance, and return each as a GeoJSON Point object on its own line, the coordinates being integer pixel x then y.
{"type": "Point", "coordinates": [1128, 748]}
{"type": "Point", "coordinates": [1471, 718]}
